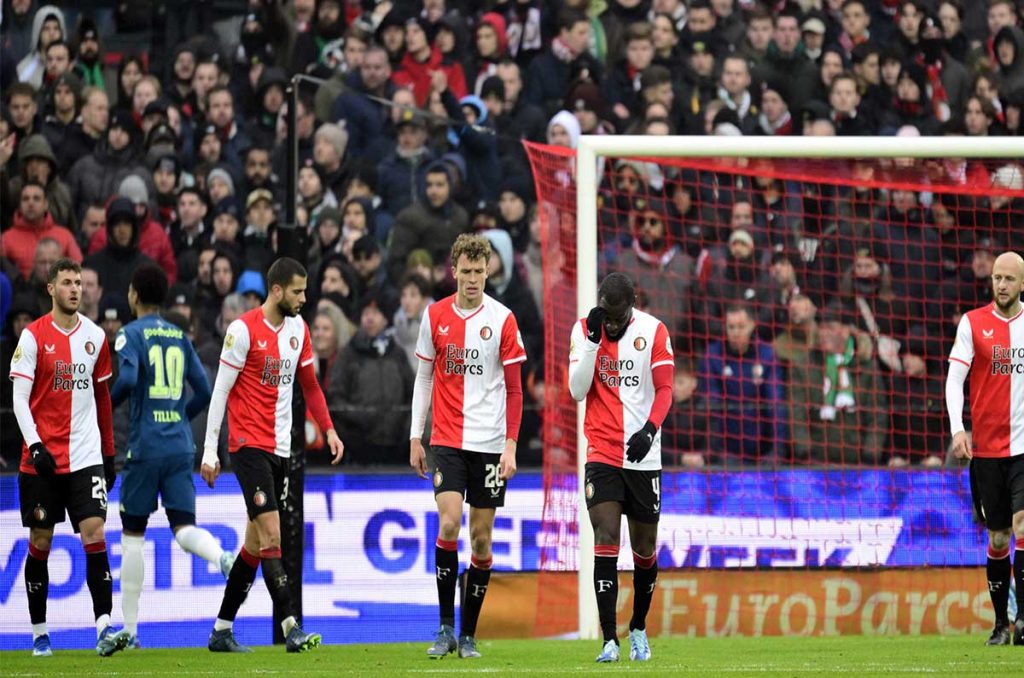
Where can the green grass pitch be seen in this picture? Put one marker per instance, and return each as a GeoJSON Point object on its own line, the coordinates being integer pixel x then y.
{"type": "Point", "coordinates": [852, 656]}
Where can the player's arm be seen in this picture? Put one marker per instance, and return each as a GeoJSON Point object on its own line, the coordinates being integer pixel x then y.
{"type": "Point", "coordinates": [960, 359]}
{"type": "Point", "coordinates": [232, 361]}
{"type": "Point", "coordinates": [422, 391]}
{"type": "Point", "coordinates": [513, 353]}
{"type": "Point", "coordinates": [582, 359]}
{"type": "Point", "coordinates": [662, 374]}
{"type": "Point", "coordinates": [201, 391]}
{"type": "Point", "coordinates": [105, 412]}
{"type": "Point", "coordinates": [128, 369]}
{"type": "Point", "coordinates": [23, 373]}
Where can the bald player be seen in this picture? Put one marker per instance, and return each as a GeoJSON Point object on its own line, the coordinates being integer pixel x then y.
{"type": "Point", "coordinates": [989, 347]}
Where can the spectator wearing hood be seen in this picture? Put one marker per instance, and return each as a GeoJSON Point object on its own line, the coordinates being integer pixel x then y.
{"type": "Point", "coordinates": [368, 388]}
{"type": "Point", "coordinates": [97, 176]}
{"type": "Point", "coordinates": [33, 223]}
{"type": "Point", "coordinates": [1009, 52]}
{"type": "Point", "coordinates": [656, 264]}
{"type": "Point", "coordinates": [515, 195]}
{"type": "Point", "coordinates": [38, 163]}
{"type": "Point", "coordinates": [423, 64]}
{"type": "Point", "coordinates": [61, 109]}
{"type": "Point", "coordinates": [490, 47]}
{"type": "Point", "coordinates": [152, 238]}
{"type": "Point", "coordinates": [505, 284]}
{"type": "Point", "coordinates": [432, 223]}
{"type": "Point", "coordinates": [88, 55]}
{"type": "Point", "coordinates": [476, 141]}
{"type": "Point", "coordinates": [117, 261]}
{"type": "Point", "coordinates": [269, 98]}
{"type": "Point", "coordinates": [227, 228]}
{"type": "Point", "coordinates": [911, 104]}
{"type": "Point", "coordinates": [47, 26]}
{"type": "Point", "coordinates": [358, 216]}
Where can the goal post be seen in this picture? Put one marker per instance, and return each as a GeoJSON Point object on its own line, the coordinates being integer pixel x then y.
{"type": "Point", "coordinates": [592, 148]}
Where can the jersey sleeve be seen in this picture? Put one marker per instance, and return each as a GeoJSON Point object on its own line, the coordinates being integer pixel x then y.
{"type": "Point", "coordinates": [425, 342]}
{"type": "Point", "coordinates": [577, 342]}
{"type": "Point", "coordinates": [127, 350]}
{"type": "Point", "coordinates": [661, 350]}
{"type": "Point", "coordinates": [23, 362]}
{"type": "Point", "coordinates": [236, 345]}
{"type": "Point", "coordinates": [306, 356]}
{"type": "Point", "coordinates": [512, 348]}
{"type": "Point", "coordinates": [103, 370]}
{"type": "Point", "coordinates": [963, 345]}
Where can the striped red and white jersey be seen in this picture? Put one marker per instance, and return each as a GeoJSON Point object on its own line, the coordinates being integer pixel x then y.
{"type": "Point", "coordinates": [470, 350]}
{"type": "Point", "coordinates": [622, 393]}
{"type": "Point", "coordinates": [993, 347]}
{"type": "Point", "coordinates": [62, 366]}
{"type": "Point", "coordinates": [268, 358]}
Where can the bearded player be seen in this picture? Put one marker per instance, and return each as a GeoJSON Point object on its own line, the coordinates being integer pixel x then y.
{"type": "Point", "coordinates": [264, 351]}
{"type": "Point", "coordinates": [990, 347]}
{"type": "Point", "coordinates": [630, 354]}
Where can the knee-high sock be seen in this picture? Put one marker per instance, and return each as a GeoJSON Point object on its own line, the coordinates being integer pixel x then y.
{"type": "Point", "coordinates": [276, 580]}
{"type": "Point", "coordinates": [240, 579]}
{"type": "Point", "coordinates": [477, 577]}
{"type": "Point", "coordinates": [200, 542]}
{"type": "Point", "coordinates": [606, 586]}
{"type": "Point", "coordinates": [132, 576]}
{"type": "Point", "coordinates": [101, 584]}
{"type": "Point", "coordinates": [1018, 574]}
{"type": "Point", "coordinates": [446, 558]}
{"type": "Point", "coordinates": [998, 571]}
{"type": "Point", "coordinates": [37, 586]}
{"type": "Point", "coordinates": [645, 574]}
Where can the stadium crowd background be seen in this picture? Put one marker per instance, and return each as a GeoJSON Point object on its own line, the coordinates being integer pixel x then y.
{"type": "Point", "coordinates": [154, 130]}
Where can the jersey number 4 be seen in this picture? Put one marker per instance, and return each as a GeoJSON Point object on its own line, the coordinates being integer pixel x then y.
{"type": "Point", "coordinates": [168, 372]}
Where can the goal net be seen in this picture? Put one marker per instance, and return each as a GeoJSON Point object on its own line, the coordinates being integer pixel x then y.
{"type": "Point", "coordinates": [812, 289]}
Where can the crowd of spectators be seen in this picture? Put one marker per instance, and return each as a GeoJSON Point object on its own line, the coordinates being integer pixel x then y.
{"type": "Point", "coordinates": [155, 131]}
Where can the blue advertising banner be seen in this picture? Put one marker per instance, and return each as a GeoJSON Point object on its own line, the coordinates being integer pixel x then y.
{"type": "Point", "coordinates": [369, 559]}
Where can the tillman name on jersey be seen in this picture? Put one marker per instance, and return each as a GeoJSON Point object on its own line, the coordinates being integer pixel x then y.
{"type": "Point", "coordinates": [69, 376]}
{"type": "Point", "coordinates": [1007, 360]}
{"type": "Point", "coordinates": [608, 369]}
{"type": "Point", "coordinates": [272, 368]}
{"type": "Point", "coordinates": [462, 361]}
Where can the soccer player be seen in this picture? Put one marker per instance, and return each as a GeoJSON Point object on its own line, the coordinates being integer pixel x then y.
{"type": "Point", "coordinates": [156, 360]}
{"type": "Point", "coordinates": [264, 351]}
{"type": "Point", "coordinates": [59, 369]}
{"type": "Point", "coordinates": [470, 352]}
{"type": "Point", "coordinates": [990, 347]}
{"type": "Point", "coordinates": [631, 354]}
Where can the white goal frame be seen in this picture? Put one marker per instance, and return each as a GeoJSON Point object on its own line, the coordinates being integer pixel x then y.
{"type": "Point", "coordinates": [591, 147]}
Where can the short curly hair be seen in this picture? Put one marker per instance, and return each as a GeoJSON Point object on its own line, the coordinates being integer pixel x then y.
{"type": "Point", "coordinates": [473, 246]}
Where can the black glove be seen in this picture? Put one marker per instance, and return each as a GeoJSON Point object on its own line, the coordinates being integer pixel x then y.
{"type": "Point", "coordinates": [109, 473]}
{"type": "Point", "coordinates": [43, 461]}
{"type": "Point", "coordinates": [595, 321]}
{"type": "Point", "coordinates": [640, 443]}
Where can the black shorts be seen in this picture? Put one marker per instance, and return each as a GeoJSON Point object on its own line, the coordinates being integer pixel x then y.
{"type": "Point", "coordinates": [999, 484]}
{"type": "Point", "coordinates": [263, 477]}
{"type": "Point", "coordinates": [44, 500]}
{"type": "Point", "coordinates": [474, 475]}
{"type": "Point", "coordinates": [639, 492]}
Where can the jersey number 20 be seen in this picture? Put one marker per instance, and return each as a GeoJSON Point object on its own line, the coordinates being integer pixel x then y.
{"type": "Point", "coordinates": [168, 372]}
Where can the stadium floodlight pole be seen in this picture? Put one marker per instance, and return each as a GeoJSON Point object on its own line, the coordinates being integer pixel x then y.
{"type": "Point", "coordinates": [587, 152]}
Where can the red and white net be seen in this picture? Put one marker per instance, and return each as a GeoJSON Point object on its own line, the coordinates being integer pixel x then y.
{"type": "Point", "coordinates": [812, 304]}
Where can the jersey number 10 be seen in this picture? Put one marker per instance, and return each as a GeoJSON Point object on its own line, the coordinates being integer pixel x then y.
{"type": "Point", "coordinates": [168, 372]}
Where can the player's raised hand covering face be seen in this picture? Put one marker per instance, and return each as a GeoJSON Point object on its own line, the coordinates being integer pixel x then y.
{"type": "Point", "coordinates": [616, 296]}
{"type": "Point", "coordinates": [290, 298]}
{"type": "Point", "coordinates": [66, 290]}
